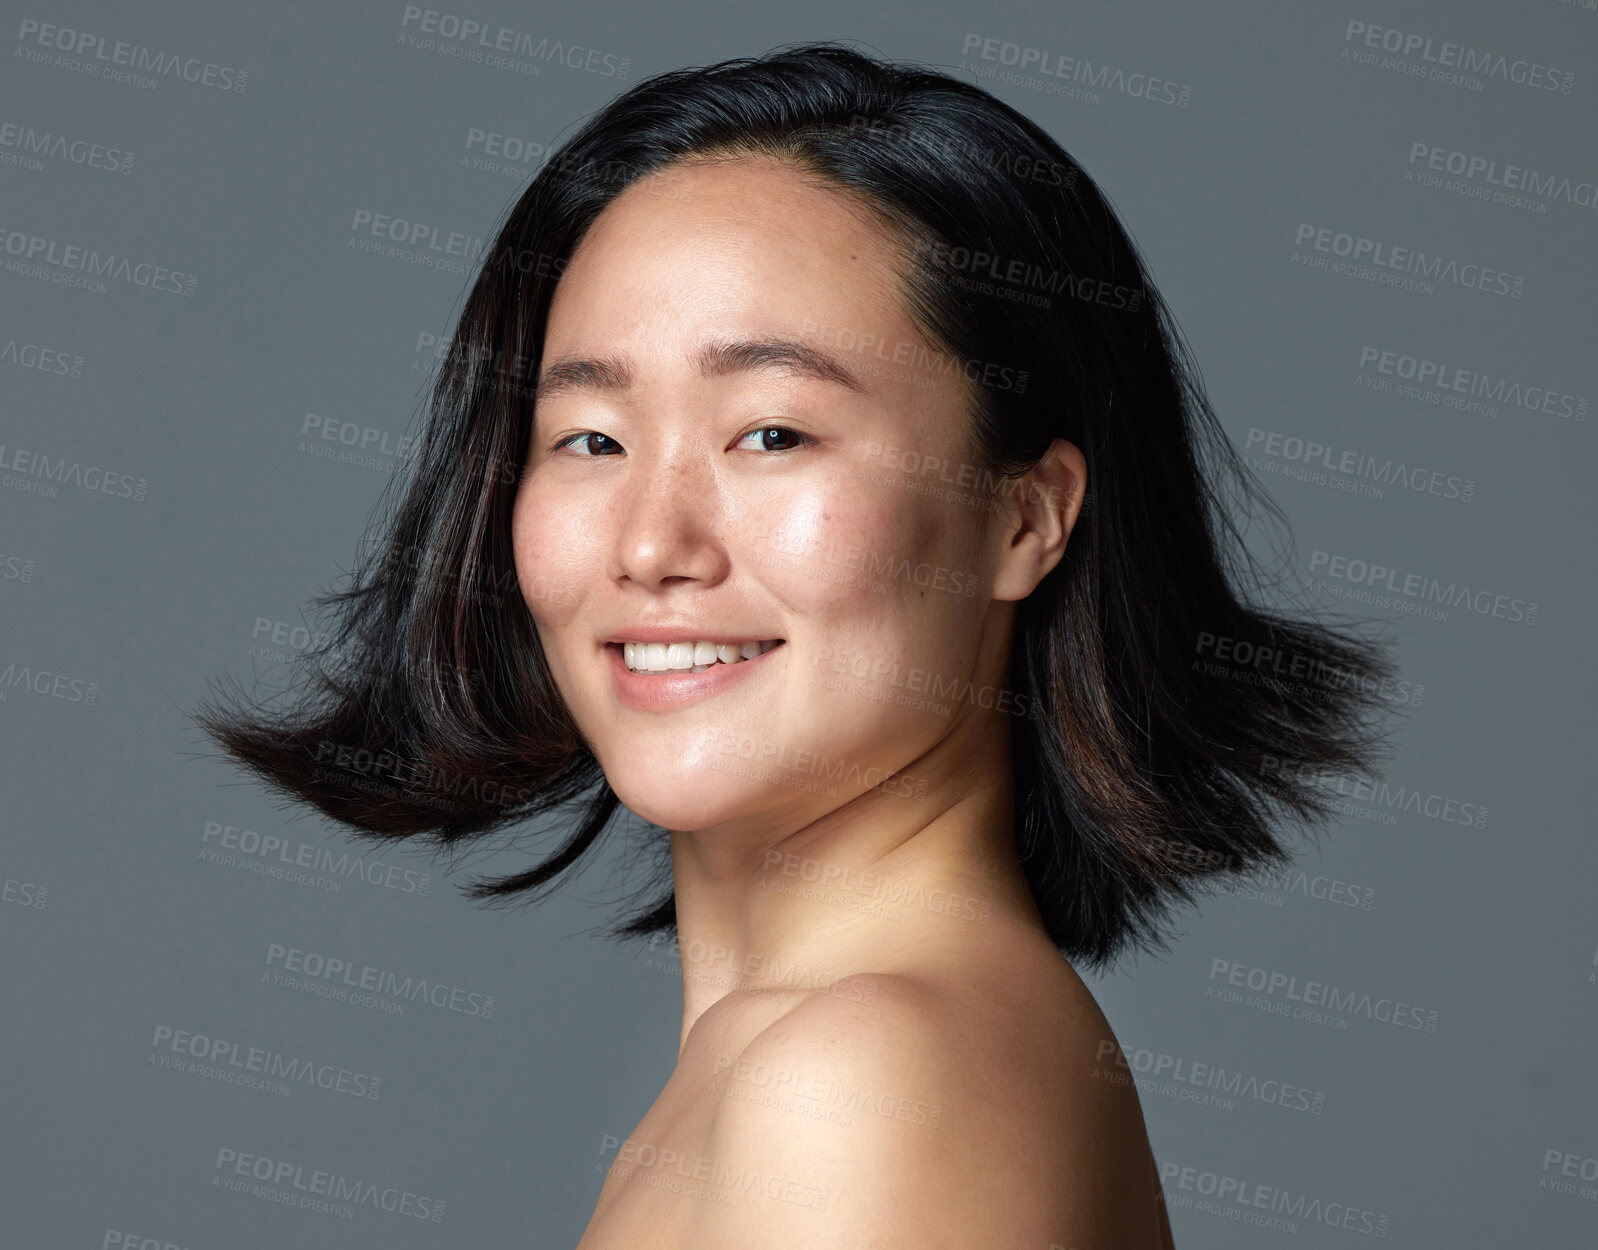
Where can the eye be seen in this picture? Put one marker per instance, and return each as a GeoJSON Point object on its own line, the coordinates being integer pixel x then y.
{"type": "Point", "coordinates": [582, 438]}
{"type": "Point", "coordinates": [797, 439]}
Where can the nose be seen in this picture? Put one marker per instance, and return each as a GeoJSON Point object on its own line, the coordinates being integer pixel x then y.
{"type": "Point", "coordinates": [669, 528]}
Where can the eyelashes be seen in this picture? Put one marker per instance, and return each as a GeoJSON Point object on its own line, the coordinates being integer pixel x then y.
{"type": "Point", "coordinates": [566, 442]}
{"type": "Point", "coordinates": [799, 439]}
{"type": "Point", "coordinates": [802, 439]}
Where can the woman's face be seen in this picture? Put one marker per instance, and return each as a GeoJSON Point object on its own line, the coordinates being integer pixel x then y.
{"type": "Point", "coordinates": [675, 494]}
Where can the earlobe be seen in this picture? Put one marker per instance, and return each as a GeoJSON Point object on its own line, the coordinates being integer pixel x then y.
{"type": "Point", "coordinates": [1041, 514]}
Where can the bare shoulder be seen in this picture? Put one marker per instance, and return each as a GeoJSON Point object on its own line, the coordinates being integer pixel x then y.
{"type": "Point", "coordinates": [975, 1105]}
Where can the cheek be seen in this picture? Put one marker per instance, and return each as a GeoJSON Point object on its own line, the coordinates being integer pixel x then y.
{"type": "Point", "coordinates": [863, 560]}
{"type": "Point", "coordinates": [814, 546]}
{"type": "Point", "coordinates": [551, 548]}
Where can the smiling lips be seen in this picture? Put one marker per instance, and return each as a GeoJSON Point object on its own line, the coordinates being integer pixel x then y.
{"type": "Point", "coordinates": [690, 657]}
{"type": "Point", "coordinates": [667, 689]}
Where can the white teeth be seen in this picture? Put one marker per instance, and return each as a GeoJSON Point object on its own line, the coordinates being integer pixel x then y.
{"type": "Point", "coordinates": [684, 657]}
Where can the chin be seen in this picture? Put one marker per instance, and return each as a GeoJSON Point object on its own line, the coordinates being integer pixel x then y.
{"type": "Point", "coordinates": [693, 799]}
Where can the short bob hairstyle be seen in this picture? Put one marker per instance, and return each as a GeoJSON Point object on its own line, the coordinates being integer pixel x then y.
{"type": "Point", "coordinates": [1168, 722]}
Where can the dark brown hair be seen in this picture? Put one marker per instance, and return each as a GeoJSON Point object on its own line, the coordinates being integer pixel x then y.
{"type": "Point", "coordinates": [1152, 754]}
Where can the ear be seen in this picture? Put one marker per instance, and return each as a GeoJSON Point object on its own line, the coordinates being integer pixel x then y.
{"type": "Point", "coordinates": [1038, 512]}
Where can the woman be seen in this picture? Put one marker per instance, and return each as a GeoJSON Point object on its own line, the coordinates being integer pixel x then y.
{"type": "Point", "coordinates": [869, 528]}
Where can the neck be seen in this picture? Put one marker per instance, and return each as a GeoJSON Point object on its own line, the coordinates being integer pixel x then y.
{"type": "Point", "coordinates": [861, 889]}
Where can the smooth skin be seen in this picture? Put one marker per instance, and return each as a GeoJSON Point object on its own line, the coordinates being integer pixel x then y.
{"type": "Point", "coordinates": [880, 1046]}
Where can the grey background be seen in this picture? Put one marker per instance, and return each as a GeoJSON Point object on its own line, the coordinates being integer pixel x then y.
{"type": "Point", "coordinates": [114, 925]}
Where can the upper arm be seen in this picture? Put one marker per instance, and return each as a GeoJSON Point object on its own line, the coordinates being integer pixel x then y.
{"type": "Point", "coordinates": [887, 1124]}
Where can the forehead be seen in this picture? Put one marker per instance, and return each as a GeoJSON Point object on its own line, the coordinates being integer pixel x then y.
{"type": "Point", "coordinates": [749, 243]}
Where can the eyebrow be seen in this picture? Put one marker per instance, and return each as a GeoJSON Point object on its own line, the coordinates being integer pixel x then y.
{"type": "Point", "coordinates": [717, 359]}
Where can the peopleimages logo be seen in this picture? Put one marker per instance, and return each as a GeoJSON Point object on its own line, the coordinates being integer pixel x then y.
{"type": "Point", "coordinates": [1448, 57]}
{"type": "Point", "coordinates": [1253, 1201]}
{"type": "Point", "coordinates": [1455, 387]}
{"type": "Point", "coordinates": [274, 851]}
{"type": "Point", "coordinates": [471, 40]}
{"type": "Point", "coordinates": [1274, 884]}
{"type": "Point", "coordinates": [877, 566]}
{"type": "Point", "coordinates": [1385, 259]}
{"type": "Point", "coordinates": [1419, 589]}
{"type": "Point", "coordinates": [45, 474]}
{"type": "Point", "coordinates": [633, 1155]}
{"type": "Point", "coordinates": [316, 1183]}
{"type": "Point", "coordinates": [1023, 274]}
{"type": "Point", "coordinates": [42, 681]}
{"type": "Point", "coordinates": [335, 978]}
{"type": "Point", "coordinates": [235, 1063]}
{"type": "Point", "coordinates": [1562, 1169]}
{"type": "Point", "coordinates": [916, 357]}
{"type": "Point", "coordinates": [44, 359]}
{"type": "Point", "coordinates": [777, 756]}
{"type": "Point", "coordinates": [1387, 798]}
{"type": "Point", "coordinates": [69, 264]}
{"type": "Point", "coordinates": [23, 893]}
{"type": "Point", "coordinates": [1505, 176]}
{"type": "Point", "coordinates": [28, 145]}
{"type": "Point", "coordinates": [1357, 467]}
{"type": "Point", "coordinates": [414, 242]}
{"type": "Point", "coordinates": [889, 680]}
{"type": "Point", "coordinates": [362, 438]}
{"type": "Point", "coordinates": [117, 60]}
{"type": "Point", "coordinates": [492, 152]}
{"type": "Point", "coordinates": [1195, 1081]}
{"type": "Point", "coordinates": [1310, 995]}
{"type": "Point", "coordinates": [875, 886]}
{"type": "Point", "coordinates": [417, 234]}
{"type": "Point", "coordinates": [1302, 671]}
{"type": "Point", "coordinates": [782, 1088]}
{"type": "Point", "coordinates": [1051, 64]}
